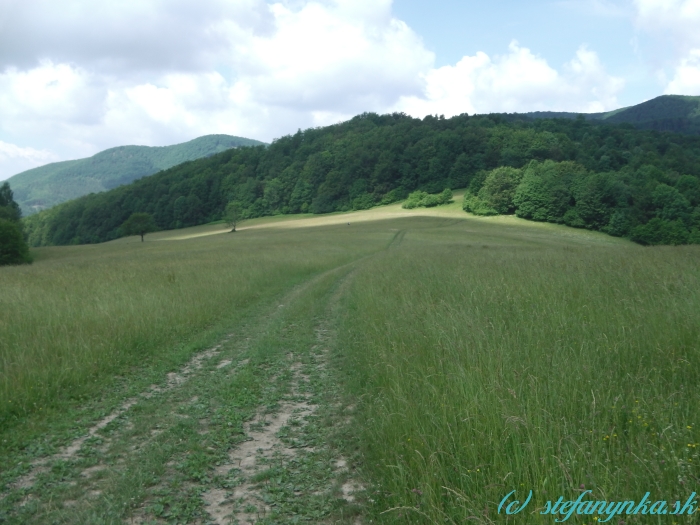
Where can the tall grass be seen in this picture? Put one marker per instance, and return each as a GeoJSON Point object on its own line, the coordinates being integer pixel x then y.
{"type": "Point", "coordinates": [82, 314]}
{"type": "Point", "coordinates": [484, 368]}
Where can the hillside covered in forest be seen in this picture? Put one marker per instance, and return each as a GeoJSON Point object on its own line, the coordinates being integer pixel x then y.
{"type": "Point", "coordinates": [584, 173]}
{"type": "Point", "coordinates": [675, 113]}
{"type": "Point", "coordinates": [43, 187]}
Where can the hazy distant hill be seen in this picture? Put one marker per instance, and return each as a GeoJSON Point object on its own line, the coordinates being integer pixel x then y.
{"type": "Point", "coordinates": [46, 186]}
{"type": "Point", "coordinates": [676, 113]}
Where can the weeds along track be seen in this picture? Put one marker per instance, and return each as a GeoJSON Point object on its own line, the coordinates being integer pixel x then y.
{"type": "Point", "coordinates": [243, 433]}
{"type": "Point", "coordinates": [69, 452]}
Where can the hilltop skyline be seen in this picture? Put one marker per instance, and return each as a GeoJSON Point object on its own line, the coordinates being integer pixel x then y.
{"type": "Point", "coordinates": [81, 77]}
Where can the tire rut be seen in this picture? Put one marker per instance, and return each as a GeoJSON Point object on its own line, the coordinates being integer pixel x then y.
{"type": "Point", "coordinates": [267, 443]}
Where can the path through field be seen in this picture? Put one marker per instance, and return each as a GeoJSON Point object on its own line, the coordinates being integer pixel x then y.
{"type": "Point", "coordinates": [258, 427]}
{"type": "Point", "coordinates": [246, 432]}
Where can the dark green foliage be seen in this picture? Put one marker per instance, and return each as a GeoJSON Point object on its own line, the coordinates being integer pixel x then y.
{"type": "Point", "coordinates": [579, 172]}
{"type": "Point", "coordinates": [675, 113]}
{"type": "Point", "coordinates": [670, 204]}
{"type": "Point", "coordinates": [545, 193]}
{"type": "Point", "coordinates": [593, 202]}
{"type": "Point", "coordinates": [499, 187]}
{"type": "Point", "coordinates": [422, 199]}
{"type": "Point", "coordinates": [9, 209]}
{"type": "Point", "coordinates": [492, 193]}
{"type": "Point", "coordinates": [13, 248]}
{"type": "Point", "coordinates": [139, 224]}
{"type": "Point", "coordinates": [473, 204]}
{"type": "Point", "coordinates": [660, 231]}
{"type": "Point", "coordinates": [44, 187]}
{"type": "Point", "coordinates": [233, 214]}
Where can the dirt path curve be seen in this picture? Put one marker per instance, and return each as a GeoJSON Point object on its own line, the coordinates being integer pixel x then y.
{"type": "Point", "coordinates": [69, 452]}
{"type": "Point", "coordinates": [245, 432]}
{"type": "Point", "coordinates": [250, 461]}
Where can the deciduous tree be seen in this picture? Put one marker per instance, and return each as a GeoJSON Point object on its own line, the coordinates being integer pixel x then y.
{"type": "Point", "coordinates": [13, 248]}
{"type": "Point", "coordinates": [139, 224]}
{"type": "Point", "coordinates": [233, 214]}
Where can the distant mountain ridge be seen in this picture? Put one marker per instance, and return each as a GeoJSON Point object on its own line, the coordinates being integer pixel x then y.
{"type": "Point", "coordinates": [44, 187]}
{"type": "Point", "coordinates": [675, 113]}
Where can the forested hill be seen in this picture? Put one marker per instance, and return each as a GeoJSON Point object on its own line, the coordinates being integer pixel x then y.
{"type": "Point", "coordinates": [48, 185]}
{"type": "Point", "coordinates": [675, 113]}
{"type": "Point", "coordinates": [614, 178]}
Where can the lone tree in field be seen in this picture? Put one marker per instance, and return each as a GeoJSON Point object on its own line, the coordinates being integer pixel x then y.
{"type": "Point", "coordinates": [233, 214]}
{"type": "Point", "coordinates": [139, 224]}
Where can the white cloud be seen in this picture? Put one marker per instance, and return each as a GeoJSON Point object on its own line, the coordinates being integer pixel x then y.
{"type": "Point", "coordinates": [49, 91]}
{"type": "Point", "coordinates": [129, 35]}
{"type": "Point", "coordinates": [686, 79]}
{"type": "Point", "coordinates": [600, 8]}
{"type": "Point", "coordinates": [679, 22]}
{"type": "Point", "coordinates": [518, 81]}
{"type": "Point", "coordinates": [678, 19]}
{"type": "Point", "coordinates": [353, 55]}
{"type": "Point", "coordinates": [14, 159]}
{"type": "Point", "coordinates": [78, 76]}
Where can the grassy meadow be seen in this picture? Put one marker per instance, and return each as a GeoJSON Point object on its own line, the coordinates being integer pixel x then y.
{"type": "Point", "coordinates": [502, 364]}
{"type": "Point", "coordinates": [481, 355]}
{"type": "Point", "coordinates": [80, 315]}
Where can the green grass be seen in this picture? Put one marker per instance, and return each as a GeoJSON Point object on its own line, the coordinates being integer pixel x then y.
{"type": "Point", "coordinates": [154, 463]}
{"type": "Point", "coordinates": [482, 355]}
{"type": "Point", "coordinates": [82, 314]}
{"type": "Point", "coordinates": [508, 363]}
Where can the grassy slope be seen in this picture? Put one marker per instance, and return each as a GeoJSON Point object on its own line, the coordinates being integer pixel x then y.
{"type": "Point", "coordinates": [46, 186]}
{"type": "Point", "coordinates": [486, 355]}
{"type": "Point", "coordinates": [489, 363]}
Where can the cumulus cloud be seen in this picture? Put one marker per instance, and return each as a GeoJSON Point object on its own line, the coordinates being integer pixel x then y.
{"type": "Point", "coordinates": [129, 35]}
{"type": "Point", "coordinates": [686, 78]}
{"type": "Point", "coordinates": [78, 76]}
{"type": "Point", "coordinates": [601, 8]}
{"type": "Point", "coordinates": [678, 21]}
{"type": "Point", "coordinates": [517, 81]}
{"type": "Point", "coordinates": [14, 159]}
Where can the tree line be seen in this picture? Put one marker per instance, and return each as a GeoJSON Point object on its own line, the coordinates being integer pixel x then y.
{"type": "Point", "coordinates": [566, 192]}
{"type": "Point", "coordinates": [615, 178]}
{"type": "Point", "coordinates": [13, 247]}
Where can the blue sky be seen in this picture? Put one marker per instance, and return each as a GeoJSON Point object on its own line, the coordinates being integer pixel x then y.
{"type": "Point", "coordinates": [553, 30]}
{"type": "Point", "coordinates": [79, 76]}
